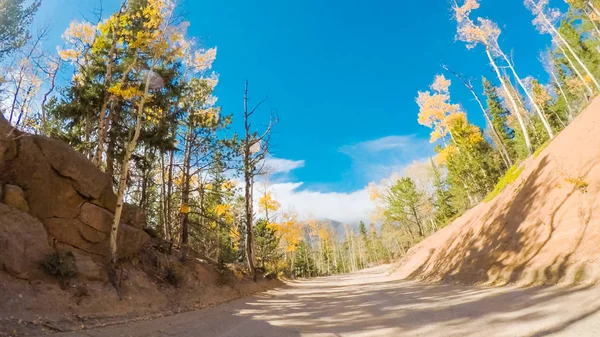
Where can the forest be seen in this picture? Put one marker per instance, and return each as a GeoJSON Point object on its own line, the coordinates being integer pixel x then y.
{"type": "Point", "coordinates": [140, 106]}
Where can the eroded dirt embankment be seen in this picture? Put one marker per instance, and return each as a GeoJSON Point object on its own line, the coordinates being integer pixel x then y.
{"type": "Point", "coordinates": [542, 229]}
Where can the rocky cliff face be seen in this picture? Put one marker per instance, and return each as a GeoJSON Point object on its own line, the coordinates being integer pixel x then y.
{"type": "Point", "coordinates": [73, 199]}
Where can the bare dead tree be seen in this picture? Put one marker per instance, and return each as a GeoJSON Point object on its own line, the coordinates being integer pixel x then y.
{"type": "Point", "coordinates": [255, 148]}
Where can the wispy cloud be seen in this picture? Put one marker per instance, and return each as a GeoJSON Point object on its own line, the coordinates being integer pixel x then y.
{"type": "Point", "coordinates": [376, 159]}
{"type": "Point", "coordinates": [274, 165]}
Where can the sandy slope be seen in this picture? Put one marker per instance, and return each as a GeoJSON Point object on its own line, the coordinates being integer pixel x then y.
{"type": "Point", "coordinates": [544, 228]}
{"type": "Point", "coordinates": [370, 303]}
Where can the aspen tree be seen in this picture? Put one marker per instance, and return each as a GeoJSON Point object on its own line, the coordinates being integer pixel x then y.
{"type": "Point", "coordinates": [160, 42]}
{"type": "Point", "coordinates": [548, 64]}
{"type": "Point", "coordinates": [544, 22]}
{"type": "Point", "coordinates": [496, 137]}
{"type": "Point", "coordinates": [484, 33]}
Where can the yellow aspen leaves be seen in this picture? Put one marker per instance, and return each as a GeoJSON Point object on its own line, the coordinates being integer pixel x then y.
{"type": "Point", "coordinates": [78, 37]}
{"type": "Point", "coordinates": [203, 59]}
{"type": "Point", "coordinates": [435, 110]}
{"type": "Point", "coordinates": [224, 211]}
{"type": "Point", "coordinates": [461, 12]}
{"type": "Point", "coordinates": [268, 204]}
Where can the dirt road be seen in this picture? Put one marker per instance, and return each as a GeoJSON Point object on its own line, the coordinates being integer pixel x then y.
{"type": "Point", "coordinates": [371, 303]}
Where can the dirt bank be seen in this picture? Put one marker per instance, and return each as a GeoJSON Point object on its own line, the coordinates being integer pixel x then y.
{"type": "Point", "coordinates": [542, 229]}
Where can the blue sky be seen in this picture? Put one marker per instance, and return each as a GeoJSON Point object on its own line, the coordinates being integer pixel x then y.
{"type": "Point", "coordinates": [342, 75]}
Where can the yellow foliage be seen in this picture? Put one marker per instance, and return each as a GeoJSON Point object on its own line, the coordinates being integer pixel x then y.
{"type": "Point", "coordinates": [290, 232]}
{"type": "Point", "coordinates": [204, 59]}
{"type": "Point", "coordinates": [127, 93]}
{"type": "Point", "coordinates": [234, 234]}
{"type": "Point", "coordinates": [461, 12]}
{"type": "Point", "coordinates": [443, 155]}
{"type": "Point", "coordinates": [267, 203]}
{"type": "Point", "coordinates": [435, 111]}
{"type": "Point", "coordinates": [228, 185]}
{"type": "Point", "coordinates": [374, 191]}
{"type": "Point", "coordinates": [224, 211]}
{"type": "Point", "coordinates": [70, 55]}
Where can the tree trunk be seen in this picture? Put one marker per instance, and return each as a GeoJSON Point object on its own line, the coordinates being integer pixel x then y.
{"type": "Point", "coordinates": [562, 92]}
{"type": "Point", "coordinates": [556, 32]}
{"type": "Point", "coordinates": [123, 183]}
{"type": "Point", "coordinates": [531, 100]}
{"type": "Point", "coordinates": [574, 68]}
{"type": "Point", "coordinates": [418, 222]}
{"type": "Point", "coordinates": [112, 143]}
{"type": "Point", "coordinates": [496, 136]}
{"type": "Point", "coordinates": [512, 101]}
{"type": "Point", "coordinates": [185, 192]}
{"type": "Point", "coordinates": [103, 110]}
{"type": "Point", "coordinates": [130, 147]}
{"type": "Point", "coordinates": [169, 200]}
{"type": "Point", "coordinates": [163, 197]}
{"type": "Point", "coordinates": [249, 180]}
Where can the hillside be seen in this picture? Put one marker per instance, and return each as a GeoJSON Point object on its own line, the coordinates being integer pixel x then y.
{"type": "Point", "coordinates": [542, 229]}
{"type": "Point", "coordinates": [56, 211]}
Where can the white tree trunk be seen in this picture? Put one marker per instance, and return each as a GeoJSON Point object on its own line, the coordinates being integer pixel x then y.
{"type": "Point", "coordinates": [593, 24]}
{"type": "Point", "coordinates": [121, 190]}
{"type": "Point", "coordinates": [537, 108]}
{"type": "Point", "coordinates": [593, 8]}
{"type": "Point", "coordinates": [562, 92]}
{"type": "Point", "coordinates": [512, 100]}
{"type": "Point", "coordinates": [497, 140]}
{"type": "Point", "coordinates": [125, 170]}
{"type": "Point", "coordinates": [551, 26]}
{"type": "Point", "coordinates": [572, 65]}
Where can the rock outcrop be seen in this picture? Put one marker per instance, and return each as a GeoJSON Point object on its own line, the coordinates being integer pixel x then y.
{"type": "Point", "coordinates": [14, 196]}
{"type": "Point", "coordinates": [71, 197]}
{"type": "Point", "coordinates": [23, 242]}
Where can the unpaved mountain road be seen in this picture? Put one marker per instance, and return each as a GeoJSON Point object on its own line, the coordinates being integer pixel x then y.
{"type": "Point", "coordinates": [370, 303]}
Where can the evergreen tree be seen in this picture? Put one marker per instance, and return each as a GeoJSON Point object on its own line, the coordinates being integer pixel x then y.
{"type": "Point", "coordinates": [15, 18]}
{"type": "Point", "coordinates": [267, 243]}
{"type": "Point", "coordinates": [442, 198]}
{"type": "Point", "coordinates": [304, 265]}
{"type": "Point", "coordinates": [405, 205]}
{"type": "Point", "coordinates": [499, 117]}
{"type": "Point", "coordinates": [473, 166]}
{"type": "Point", "coordinates": [584, 47]}
{"type": "Point", "coordinates": [362, 229]}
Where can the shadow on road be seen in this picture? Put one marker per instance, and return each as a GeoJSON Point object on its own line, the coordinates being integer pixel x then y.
{"type": "Point", "coordinates": [370, 303]}
{"type": "Point", "coordinates": [361, 305]}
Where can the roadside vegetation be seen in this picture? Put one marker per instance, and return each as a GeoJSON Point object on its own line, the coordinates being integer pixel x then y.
{"type": "Point", "coordinates": [522, 116]}
{"type": "Point", "coordinates": [140, 106]}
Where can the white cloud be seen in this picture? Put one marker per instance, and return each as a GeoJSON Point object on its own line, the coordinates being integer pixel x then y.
{"type": "Point", "coordinates": [374, 160]}
{"type": "Point", "coordinates": [275, 165]}
{"type": "Point", "coordinates": [382, 144]}
{"type": "Point", "coordinates": [343, 207]}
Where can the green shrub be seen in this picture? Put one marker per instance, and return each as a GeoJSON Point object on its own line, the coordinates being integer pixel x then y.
{"type": "Point", "coordinates": [510, 176]}
{"type": "Point", "coordinates": [60, 265]}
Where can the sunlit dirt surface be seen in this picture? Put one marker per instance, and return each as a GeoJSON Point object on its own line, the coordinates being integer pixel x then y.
{"type": "Point", "coordinates": [372, 303]}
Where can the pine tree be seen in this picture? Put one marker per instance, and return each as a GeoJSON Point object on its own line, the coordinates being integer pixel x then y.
{"type": "Point", "coordinates": [499, 117]}
{"type": "Point", "coordinates": [405, 205]}
{"type": "Point", "coordinates": [267, 244]}
{"type": "Point", "coordinates": [444, 210]}
{"type": "Point", "coordinates": [14, 23]}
